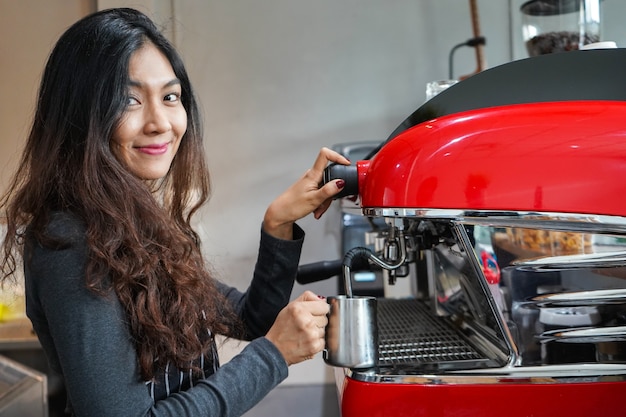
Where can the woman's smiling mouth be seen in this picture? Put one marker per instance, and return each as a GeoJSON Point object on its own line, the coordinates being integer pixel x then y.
{"type": "Point", "coordinates": [156, 149]}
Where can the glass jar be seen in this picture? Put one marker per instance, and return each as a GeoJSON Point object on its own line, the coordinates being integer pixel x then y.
{"type": "Point", "coordinates": [435, 87]}
{"type": "Point", "coordinates": [550, 26]}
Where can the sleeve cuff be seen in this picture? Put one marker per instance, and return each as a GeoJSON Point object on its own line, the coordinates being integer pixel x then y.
{"type": "Point", "coordinates": [298, 236]}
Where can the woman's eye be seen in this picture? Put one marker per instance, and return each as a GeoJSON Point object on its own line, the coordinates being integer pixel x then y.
{"type": "Point", "coordinates": [172, 97]}
{"type": "Point", "coordinates": [131, 101]}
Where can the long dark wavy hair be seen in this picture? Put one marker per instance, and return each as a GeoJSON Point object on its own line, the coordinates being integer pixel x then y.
{"type": "Point", "coordinates": [139, 235]}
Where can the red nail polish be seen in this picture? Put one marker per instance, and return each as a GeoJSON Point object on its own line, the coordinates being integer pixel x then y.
{"type": "Point", "coordinates": [341, 184]}
{"type": "Point", "coordinates": [321, 297]}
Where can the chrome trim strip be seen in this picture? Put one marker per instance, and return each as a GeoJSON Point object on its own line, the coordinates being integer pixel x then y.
{"type": "Point", "coordinates": [550, 374]}
{"type": "Point", "coordinates": [499, 218]}
{"type": "Point", "coordinates": [513, 352]}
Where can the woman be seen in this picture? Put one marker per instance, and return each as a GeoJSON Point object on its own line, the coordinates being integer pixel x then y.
{"type": "Point", "coordinates": [100, 213]}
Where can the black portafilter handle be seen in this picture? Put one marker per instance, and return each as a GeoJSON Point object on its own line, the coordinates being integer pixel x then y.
{"type": "Point", "coordinates": [319, 271]}
{"type": "Point", "coordinates": [348, 173]}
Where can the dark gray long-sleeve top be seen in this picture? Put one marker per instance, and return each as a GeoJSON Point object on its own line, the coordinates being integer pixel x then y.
{"type": "Point", "coordinates": [87, 340]}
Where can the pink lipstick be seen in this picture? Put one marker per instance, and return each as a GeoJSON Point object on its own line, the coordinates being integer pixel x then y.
{"type": "Point", "coordinates": [156, 149]}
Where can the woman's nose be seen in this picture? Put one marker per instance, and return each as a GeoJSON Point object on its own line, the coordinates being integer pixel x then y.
{"type": "Point", "coordinates": [156, 119]}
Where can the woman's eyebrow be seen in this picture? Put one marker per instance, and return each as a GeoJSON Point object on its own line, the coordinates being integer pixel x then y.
{"type": "Point", "coordinates": [174, 81]}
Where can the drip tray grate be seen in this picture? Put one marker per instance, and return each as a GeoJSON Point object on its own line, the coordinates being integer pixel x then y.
{"type": "Point", "coordinates": [410, 334]}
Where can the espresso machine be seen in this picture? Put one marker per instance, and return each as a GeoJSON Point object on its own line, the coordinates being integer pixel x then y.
{"type": "Point", "coordinates": [503, 200]}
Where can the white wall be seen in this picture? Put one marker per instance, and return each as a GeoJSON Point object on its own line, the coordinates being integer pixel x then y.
{"type": "Point", "coordinates": [28, 30]}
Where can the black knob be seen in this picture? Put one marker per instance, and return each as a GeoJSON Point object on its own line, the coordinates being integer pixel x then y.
{"type": "Point", "coordinates": [348, 173]}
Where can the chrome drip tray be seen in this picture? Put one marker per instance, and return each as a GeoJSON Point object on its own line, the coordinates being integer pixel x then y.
{"type": "Point", "coordinates": [410, 335]}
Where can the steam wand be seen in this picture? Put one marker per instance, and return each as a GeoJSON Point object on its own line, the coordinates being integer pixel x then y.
{"type": "Point", "coordinates": [361, 252]}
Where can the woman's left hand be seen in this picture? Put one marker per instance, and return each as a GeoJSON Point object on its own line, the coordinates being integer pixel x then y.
{"type": "Point", "coordinates": [299, 330]}
{"type": "Point", "coordinates": [305, 196]}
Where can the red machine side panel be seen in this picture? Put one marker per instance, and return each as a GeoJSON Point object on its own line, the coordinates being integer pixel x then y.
{"type": "Point", "coordinates": [483, 400]}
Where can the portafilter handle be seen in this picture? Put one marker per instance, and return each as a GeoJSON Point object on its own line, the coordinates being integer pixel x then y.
{"type": "Point", "coordinates": [319, 271]}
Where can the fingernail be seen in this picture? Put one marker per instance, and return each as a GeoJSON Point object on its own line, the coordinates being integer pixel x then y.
{"type": "Point", "coordinates": [321, 297]}
{"type": "Point", "coordinates": [341, 184]}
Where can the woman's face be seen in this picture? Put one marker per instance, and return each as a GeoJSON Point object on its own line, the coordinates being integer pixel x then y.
{"type": "Point", "coordinates": [154, 122]}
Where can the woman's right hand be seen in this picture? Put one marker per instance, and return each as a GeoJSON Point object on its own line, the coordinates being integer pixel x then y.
{"type": "Point", "coordinates": [299, 329]}
{"type": "Point", "coordinates": [303, 197]}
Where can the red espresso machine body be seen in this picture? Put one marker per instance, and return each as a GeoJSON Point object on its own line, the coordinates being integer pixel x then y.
{"type": "Point", "coordinates": [512, 223]}
{"type": "Point", "coordinates": [563, 157]}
